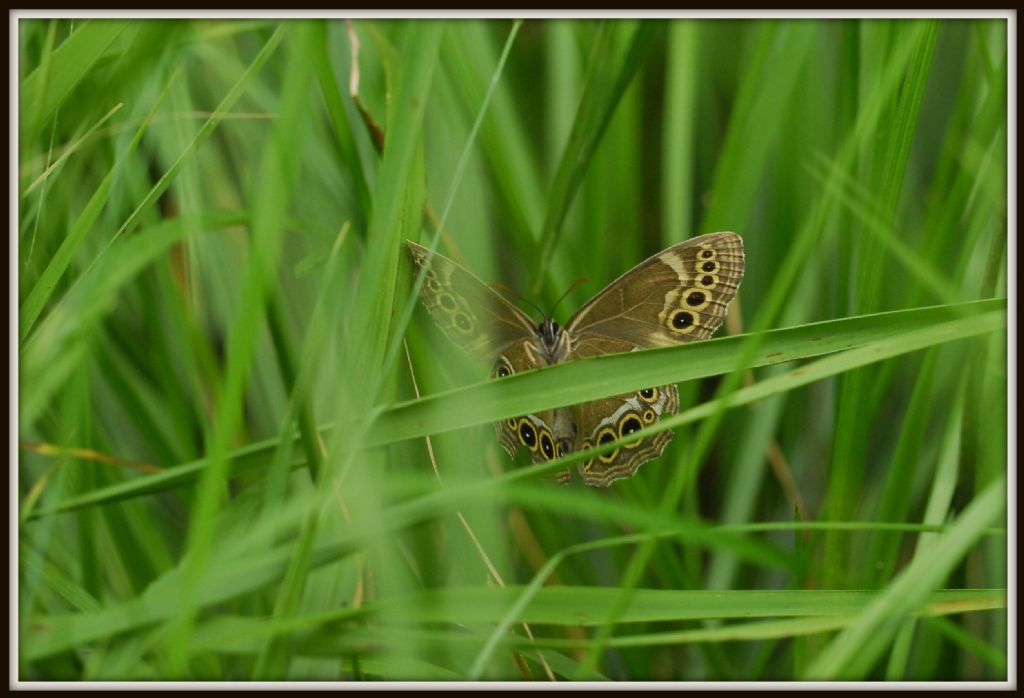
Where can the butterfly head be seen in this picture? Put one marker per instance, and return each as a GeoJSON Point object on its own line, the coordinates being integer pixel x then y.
{"type": "Point", "coordinates": [554, 341]}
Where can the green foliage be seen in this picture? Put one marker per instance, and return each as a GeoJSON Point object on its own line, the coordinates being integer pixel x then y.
{"type": "Point", "coordinates": [244, 454]}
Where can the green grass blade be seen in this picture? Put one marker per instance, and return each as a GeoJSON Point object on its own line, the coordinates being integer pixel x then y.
{"type": "Point", "coordinates": [586, 380]}
{"type": "Point", "coordinates": [48, 86]}
{"type": "Point", "coordinates": [854, 651]}
{"type": "Point", "coordinates": [67, 327]}
{"type": "Point", "coordinates": [607, 79]}
{"type": "Point", "coordinates": [33, 304]}
{"type": "Point", "coordinates": [873, 338]}
{"type": "Point", "coordinates": [278, 169]}
{"type": "Point", "coordinates": [679, 124]}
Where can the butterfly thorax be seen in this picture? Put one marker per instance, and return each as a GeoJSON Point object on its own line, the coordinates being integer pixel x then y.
{"type": "Point", "coordinates": [553, 340]}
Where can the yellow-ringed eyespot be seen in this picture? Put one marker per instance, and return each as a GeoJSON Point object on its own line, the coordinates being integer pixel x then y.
{"type": "Point", "coordinates": [629, 424]}
{"type": "Point", "coordinates": [527, 434]}
{"type": "Point", "coordinates": [706, 254]}
{"type": "Point", "coordinates": [462, 323]}
{"type": "Point", "coordinates": [649, 416]}
{"type": "Point", "coordinates": [649, 394]}
{"type": "Point", "coordinates": [447, 301]}
{"type": "Point", "coordinates": [590, 461]}
{"type": "Point", "coordinates": [682, 321]}
{"type": "Point", "coordinates": [502, 368]}
{"type": "Point", "coordinates": [707, 281]}
{"type": "Point", "coordinates": [547, 444]}
{"type": "Point", "coordinates": [606, 435]}
{"type": "Point", "coordinates": [707, 267]}
{"type": "Point", "coordinates": [433, 284]}
{"type": "Point", "coordinates": [696, 299]}
{"type": "Point", "coordinates": [511, 422]}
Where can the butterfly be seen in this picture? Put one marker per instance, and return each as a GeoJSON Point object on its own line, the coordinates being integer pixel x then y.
{"type": "Point", "coordinates": [678, 295]}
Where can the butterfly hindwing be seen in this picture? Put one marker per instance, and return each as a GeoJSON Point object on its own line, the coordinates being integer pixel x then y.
{"type": "Point", "coordinates": [537, 433]}
{"type": "Point", "coordinates": [607, 419]}
{"type": "Point", "coordinates": [612, 418]}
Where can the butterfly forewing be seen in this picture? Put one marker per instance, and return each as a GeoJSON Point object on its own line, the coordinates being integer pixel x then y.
{"type": "Point", "coordinates": [488, 328]}
{"type": "Point", "coordinates": [678, 295]}
{"type": "Point", "coordinates": [469, 312]}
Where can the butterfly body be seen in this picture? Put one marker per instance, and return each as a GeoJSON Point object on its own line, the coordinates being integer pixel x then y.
{"type": "Point", "coordinates": [678, 295]}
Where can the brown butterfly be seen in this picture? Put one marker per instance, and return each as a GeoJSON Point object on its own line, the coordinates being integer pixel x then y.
{"type": "Point", "coordinates": [679, 295]}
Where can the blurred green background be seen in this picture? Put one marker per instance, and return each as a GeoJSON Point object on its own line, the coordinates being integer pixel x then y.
{"type": "Point", "coordinates": [217, 390]}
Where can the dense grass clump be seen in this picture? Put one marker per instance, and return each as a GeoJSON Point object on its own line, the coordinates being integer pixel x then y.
{"type": "Point", "coordinates": [245, 453]}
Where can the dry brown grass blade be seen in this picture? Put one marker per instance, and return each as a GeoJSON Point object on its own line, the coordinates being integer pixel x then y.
{"type": "Point", "coordinates": [53, 451]}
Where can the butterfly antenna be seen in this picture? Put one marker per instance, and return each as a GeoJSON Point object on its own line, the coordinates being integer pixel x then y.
{"type": "Point", "coordinates": [515, 296]}
{"type": "Point", "coordinates": [577, 282]}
